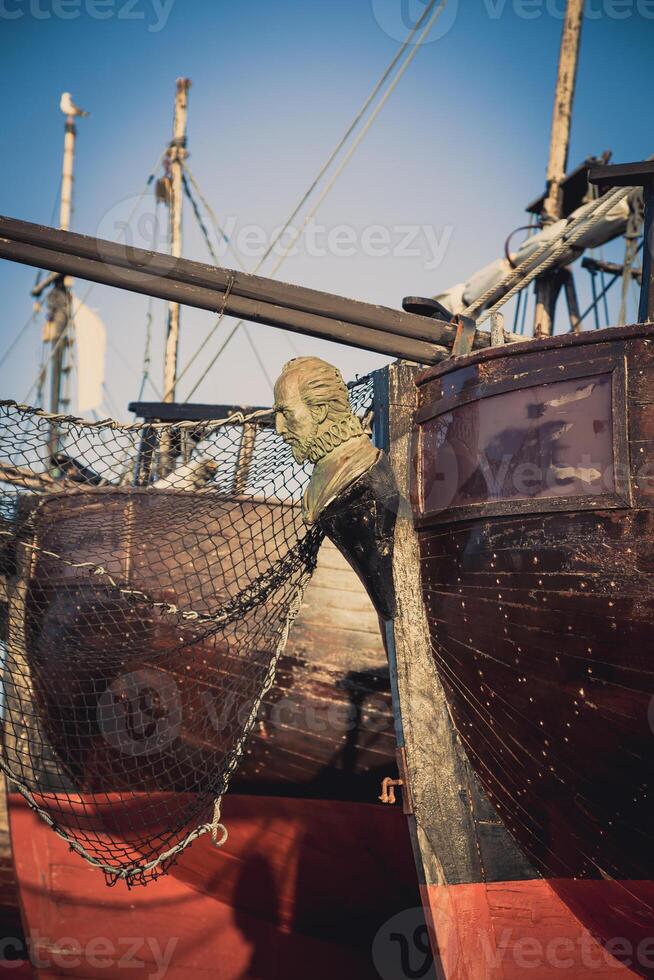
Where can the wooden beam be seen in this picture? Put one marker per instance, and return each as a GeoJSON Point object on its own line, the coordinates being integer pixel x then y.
{"type": "Point", "coordinates": [546, 290]}
{"type": "Point", "coordinates": [144, 267]}
{"type": "Point", "coordinates": [219, 279]}
{"type": "Point", "coordinates": [297, 321]}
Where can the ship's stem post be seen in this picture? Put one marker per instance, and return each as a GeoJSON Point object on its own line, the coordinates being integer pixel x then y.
{"type": "Point", "coordinates": [176, 156]}
{"type": "Point", "coordinates": [547, 288]}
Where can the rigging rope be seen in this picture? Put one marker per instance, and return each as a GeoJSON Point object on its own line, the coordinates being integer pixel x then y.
{"type": "Point", "coordinates": [359, 116]}
{"type": "Point", "coordinates": [28, 323]}
{"type": "Point", "coordinates": [216, 261]}
{"type": "Point", "coordinates": [423, 35]}
{"type": "Point", "coordinates": [526, 272]}
{"type": "Point", "coordinates": [221, 231]}
{"type": "Point", "coordinates": [517, 278]}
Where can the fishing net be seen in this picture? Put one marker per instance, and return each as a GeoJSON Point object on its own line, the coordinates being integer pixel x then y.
{"type": "Point", "coordinates": [151, 573]}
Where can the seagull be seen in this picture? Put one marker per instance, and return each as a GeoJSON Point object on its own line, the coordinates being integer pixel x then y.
{"type": "Point", "coordinates": [68, 107]}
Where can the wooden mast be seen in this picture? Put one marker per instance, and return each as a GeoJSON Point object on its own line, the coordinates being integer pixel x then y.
{"type": "Point", "coordinates": [546, 286]}
{"type": "Point", "coordinates": [59, 299]}
{"type": "Point", "coordinates": [176, 156]}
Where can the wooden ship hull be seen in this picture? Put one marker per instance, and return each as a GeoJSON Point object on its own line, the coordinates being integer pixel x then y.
{"type": "Point", "coordinates": [532, 549]}
{"type": "Point", "coordinates": [519, 667]}
{"type": "Point", "coordinates": [301, 811]}
{"type": "Point", "coordinates": [521, 686]}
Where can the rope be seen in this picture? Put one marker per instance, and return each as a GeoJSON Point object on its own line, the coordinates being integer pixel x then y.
{"type": "Point", "coordinates": [289, 337]}
{"type": "Point", "coordinates": [221, 231]}
{"type": "Point", "coordinates": [28, 323]}
{"type": "Point", "coordinates": [357, 119]}
{"type": "Point", "coordinates": [236, 418]}
{"type": "Point", "coordinates": [432, 20]}
{"type": "Point", "coordinates": [216, 262]}
{"type": "Point", "coordinates": [203, 227]}
{"type": "Point", "coordinates": [206, 340]}
{"type": "Point", "coordinates": [521, 277]}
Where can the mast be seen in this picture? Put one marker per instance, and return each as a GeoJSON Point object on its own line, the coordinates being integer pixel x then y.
{"type": "Point", "coordinates": [176, 156]}
{"type": "Point", "coordinates": [546, 287]}
{"type": "Point", "coordinates": [59, 298]}
{"type": "Point", "coordinates": [66, 202]}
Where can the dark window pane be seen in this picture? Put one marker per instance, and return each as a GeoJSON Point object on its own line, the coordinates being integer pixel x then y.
{"type": "Point", "coordinates": [554, 440]}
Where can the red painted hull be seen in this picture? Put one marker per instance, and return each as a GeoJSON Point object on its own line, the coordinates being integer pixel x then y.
{"type": "Point", "coordinates": [509, 930]}
{"type": "Point", "coordinates": [300, 889]}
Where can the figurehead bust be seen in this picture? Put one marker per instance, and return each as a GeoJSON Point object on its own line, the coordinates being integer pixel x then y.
{"type": "Point", "coordinates": [314, 417]}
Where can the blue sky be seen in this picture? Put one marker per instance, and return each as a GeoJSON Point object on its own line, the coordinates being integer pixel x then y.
{"type": "Point", "coordinates": [460, 147]}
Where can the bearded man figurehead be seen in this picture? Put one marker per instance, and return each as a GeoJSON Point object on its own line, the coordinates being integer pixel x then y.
{"type": "Point", "coordinates": [314, 416]}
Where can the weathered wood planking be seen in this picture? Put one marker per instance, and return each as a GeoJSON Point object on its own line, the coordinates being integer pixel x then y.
{"type": "Point", "coordinates": [326, 727]}
{"type": "Point", "coordinates": [512, 929]}
{"type": "Point", "coordinates": [541, 606]}
{"type": "Point", "coordinates": [299, 889]}
{"type": "Point", "coordinates": [457, 835]}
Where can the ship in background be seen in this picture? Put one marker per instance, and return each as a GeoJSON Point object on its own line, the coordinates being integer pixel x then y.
{"type": "Point", "coordinates": [303, 808]}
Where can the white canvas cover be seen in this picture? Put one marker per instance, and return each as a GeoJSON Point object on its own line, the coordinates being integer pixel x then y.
{"type": "Point", "coordinates": [91, 340]}
{"type": "Point", "coordinates": [610, 226]}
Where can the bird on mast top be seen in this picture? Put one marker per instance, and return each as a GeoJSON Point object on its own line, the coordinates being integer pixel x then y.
{"type": "Point", "coordinates": [69, 108]}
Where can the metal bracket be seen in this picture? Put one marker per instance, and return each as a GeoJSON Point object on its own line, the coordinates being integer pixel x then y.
{"type": "Point", "coordinates": [466, 328]}
{"type": "Point", "coordinates": [407, 795]}
{"type": "Point", "coordinates": [388, 789]}
{"type": "Point", "coordinates": [388, 785]}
